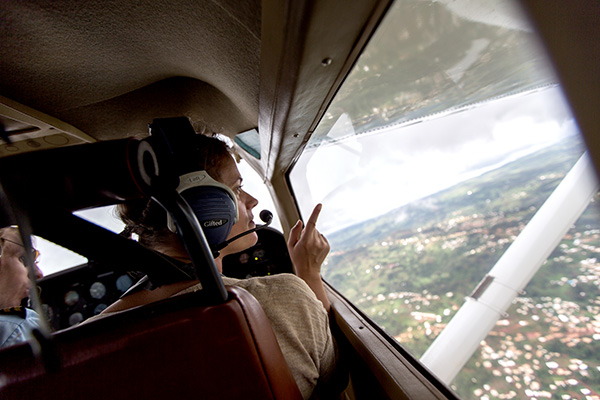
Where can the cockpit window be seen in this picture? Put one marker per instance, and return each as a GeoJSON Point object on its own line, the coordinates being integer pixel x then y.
{"type": "Point", "coordinates": [56, 258]}
{"type": "Point", "coordinates": [445, 141]}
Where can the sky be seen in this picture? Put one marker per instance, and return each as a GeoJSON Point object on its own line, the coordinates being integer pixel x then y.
{"type": "Point", "coordinates": [371, 174]}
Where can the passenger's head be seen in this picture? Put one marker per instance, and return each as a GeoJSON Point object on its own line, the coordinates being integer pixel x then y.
{"type": "Point", "coordinates": [14, 278]}
{"type": "Point", "coordinates": [149, 221]}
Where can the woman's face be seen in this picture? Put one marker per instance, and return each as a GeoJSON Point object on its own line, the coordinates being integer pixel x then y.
{"type": "Point", "coordinates": [231, 177]}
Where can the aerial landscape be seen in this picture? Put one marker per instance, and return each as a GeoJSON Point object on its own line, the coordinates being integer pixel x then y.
{"type": "Point", "coordinates": [410, 270]}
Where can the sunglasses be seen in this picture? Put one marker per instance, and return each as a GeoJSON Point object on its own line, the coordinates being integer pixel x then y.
{"type": "Point", "coordinates": [35, 254]}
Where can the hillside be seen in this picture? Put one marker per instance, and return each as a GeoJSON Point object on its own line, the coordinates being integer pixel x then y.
{"type": "Point", "coordinates": [411, 268]}
{"type": "Point", "coordinates": [495, 192]}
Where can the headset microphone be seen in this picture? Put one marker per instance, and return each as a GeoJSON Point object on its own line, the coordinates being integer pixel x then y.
{"type": "Point", "coordinates": [265, 215]}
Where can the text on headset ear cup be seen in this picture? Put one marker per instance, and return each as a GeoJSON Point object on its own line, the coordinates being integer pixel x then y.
{"type": "Point", "coordinates": [215, 209]}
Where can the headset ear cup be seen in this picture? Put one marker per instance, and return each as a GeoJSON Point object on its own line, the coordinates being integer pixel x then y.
{"type": "Point", "coordinates": [215, 209]}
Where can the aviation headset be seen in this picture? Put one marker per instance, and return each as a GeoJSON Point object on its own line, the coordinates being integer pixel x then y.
{"type": "Point", "coordinates": [173, 141]}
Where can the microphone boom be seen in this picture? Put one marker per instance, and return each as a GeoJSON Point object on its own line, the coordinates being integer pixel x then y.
{"type": "Point", "coordinates": [265, 215]}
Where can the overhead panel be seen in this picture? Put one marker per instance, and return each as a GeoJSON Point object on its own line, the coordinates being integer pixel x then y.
{"type": "Point", "coordinates": [25, 130]}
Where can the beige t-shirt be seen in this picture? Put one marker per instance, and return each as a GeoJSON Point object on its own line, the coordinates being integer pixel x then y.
{"type": "Point", "coordinates": [300, 324]}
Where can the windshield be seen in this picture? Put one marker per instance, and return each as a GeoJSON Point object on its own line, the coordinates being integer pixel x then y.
{"type": "Point", "coordinates": [448, 136]}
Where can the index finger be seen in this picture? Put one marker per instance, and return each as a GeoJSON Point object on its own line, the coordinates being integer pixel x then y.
{"type": "Point", "coordinates": [312, 221]}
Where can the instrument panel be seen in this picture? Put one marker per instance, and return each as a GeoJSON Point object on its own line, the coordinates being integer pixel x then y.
{"type": "Point", "coordinates": [76, 294]}
{"type": "Point", "coordinates": [269, 256]}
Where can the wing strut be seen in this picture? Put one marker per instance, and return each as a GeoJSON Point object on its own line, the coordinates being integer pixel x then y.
{"type": "Point", "coordinates": [451, 350]}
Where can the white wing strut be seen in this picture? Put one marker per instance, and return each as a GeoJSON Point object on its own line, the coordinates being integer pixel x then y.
{"type": "Point", "coordinates": [460, 339]}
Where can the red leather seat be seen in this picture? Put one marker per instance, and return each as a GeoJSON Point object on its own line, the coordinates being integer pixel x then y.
{"type": "Point", "coordinates": [176, 349]}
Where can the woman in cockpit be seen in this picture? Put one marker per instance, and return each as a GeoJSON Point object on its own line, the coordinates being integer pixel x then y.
{"type": "Point", "coordinates": [296, 306]}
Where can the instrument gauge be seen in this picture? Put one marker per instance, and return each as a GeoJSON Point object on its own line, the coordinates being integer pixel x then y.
{"type": "Point", "coordinates": [71, 298]}
{"type": "Point", "coordinates": [97, 290]}
{"type": "Point", "coordinates": [99, 308]}
{"type": "Point", "coordinates": [75, 318]}
{"type": "Point", "coordinates": [123, 283]}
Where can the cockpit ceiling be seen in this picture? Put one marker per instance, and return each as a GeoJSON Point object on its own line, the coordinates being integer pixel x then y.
{"type": "Point", "coordinates": [109, 68]}
{"type": "Point", "coordinates": [90, 64]}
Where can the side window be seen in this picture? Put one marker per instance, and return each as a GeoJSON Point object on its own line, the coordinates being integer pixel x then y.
{"type": "Point", "coordinates": [55, 258]}
{"type": "Point", "coordinates": [254, 185]}
{"type": "Point", "coordinates": [444, 142]}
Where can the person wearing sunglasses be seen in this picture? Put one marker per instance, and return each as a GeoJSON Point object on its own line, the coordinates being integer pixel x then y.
{"type": "Point", "coordinates": [16, 322]}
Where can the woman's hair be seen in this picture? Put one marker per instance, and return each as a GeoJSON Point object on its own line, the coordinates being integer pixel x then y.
{"type": "Point", "coordinates": [147, 219]}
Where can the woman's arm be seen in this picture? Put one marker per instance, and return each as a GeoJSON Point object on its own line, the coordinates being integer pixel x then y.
{"type": "Point", "coordinates": [308, 249]}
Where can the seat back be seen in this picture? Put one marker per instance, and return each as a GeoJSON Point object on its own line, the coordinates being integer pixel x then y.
{"type": "Point", "coordinates": [177, 348]}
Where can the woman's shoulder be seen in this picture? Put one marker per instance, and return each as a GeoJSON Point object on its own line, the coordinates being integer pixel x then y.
{"type": "Point", "coordinates": [278, 280]}
{"type": "Point", "coordinates": [283, 283]}
{"type": "Point", "coordinates": [285, 289]}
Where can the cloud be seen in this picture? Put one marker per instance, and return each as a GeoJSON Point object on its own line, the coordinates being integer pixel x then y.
{"type": "Point", "coordinates": [368, 175]}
